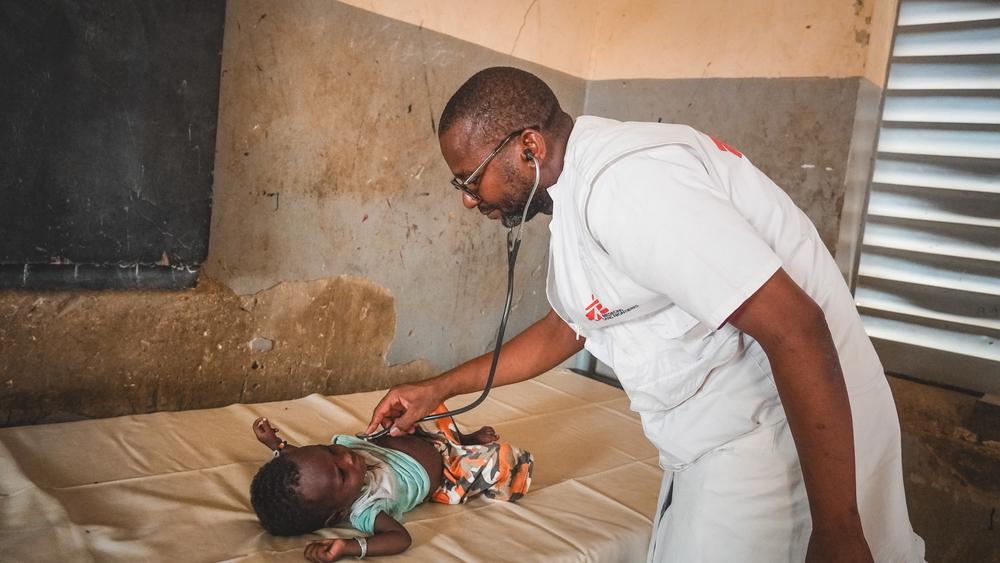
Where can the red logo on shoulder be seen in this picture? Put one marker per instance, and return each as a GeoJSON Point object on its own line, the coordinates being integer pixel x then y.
{"type": "Point", "coordinates": [724, 147]}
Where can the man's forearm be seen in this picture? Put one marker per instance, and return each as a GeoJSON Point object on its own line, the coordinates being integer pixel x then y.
{"type": "Point", "coordinates": [539, 348]}
{"type": "Point", "coordinates": [792, 330]}
{"type": "Point", "coordinates": [811, 385]}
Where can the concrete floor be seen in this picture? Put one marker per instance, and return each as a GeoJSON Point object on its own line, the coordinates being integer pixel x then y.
{"type": "Point", "coordinates": [952, 474]}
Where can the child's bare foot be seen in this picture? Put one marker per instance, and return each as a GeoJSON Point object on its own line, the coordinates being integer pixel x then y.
{"type": "Point", "coordinates": [484, 435]}
{"type": "Point", "coordinates": [266, 434]}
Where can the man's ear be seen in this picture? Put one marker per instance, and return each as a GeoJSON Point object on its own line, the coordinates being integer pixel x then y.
{"type": "Point", "coordinates": [534, 144]}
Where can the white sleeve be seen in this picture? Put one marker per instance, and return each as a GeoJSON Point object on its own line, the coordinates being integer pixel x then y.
{"type": "Point", "coordinates": [666, 226]}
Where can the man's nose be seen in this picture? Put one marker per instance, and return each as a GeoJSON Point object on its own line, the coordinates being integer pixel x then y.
{"type": "Point", "coordinates": [468, 201]}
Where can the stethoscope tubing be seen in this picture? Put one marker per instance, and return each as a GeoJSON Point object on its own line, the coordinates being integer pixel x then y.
{"type": "Point", "coordinates": [513, 245]}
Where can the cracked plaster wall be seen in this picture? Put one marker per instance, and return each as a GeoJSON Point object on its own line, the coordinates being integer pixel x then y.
{"type": "Point", "coordinates": [70, 355]}
{"type": "Point", "coordinates": [328, 164]}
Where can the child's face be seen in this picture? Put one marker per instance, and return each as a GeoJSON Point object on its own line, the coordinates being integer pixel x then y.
{"type": "Point", "coordinates": [329, 475]}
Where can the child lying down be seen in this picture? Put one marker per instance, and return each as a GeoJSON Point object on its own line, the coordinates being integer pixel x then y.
{"type": "Point", "coordinates": [372, 484]}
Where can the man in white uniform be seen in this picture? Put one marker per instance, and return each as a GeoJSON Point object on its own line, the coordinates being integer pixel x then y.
{"type": "Point", "coordinates": [684, 268]}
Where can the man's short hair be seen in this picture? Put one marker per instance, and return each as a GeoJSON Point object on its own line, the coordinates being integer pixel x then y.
{"type": "Point", "coordinates": [275, 497]}
{"type": "Point", "coordinates": [499, 100]}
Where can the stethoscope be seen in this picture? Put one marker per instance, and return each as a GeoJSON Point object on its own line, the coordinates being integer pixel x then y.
{"type": "Point", "coordinates": [513, 245]}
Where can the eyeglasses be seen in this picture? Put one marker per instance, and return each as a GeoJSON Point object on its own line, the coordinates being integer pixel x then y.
{"type": "Point", "coordinates": [463, 185]}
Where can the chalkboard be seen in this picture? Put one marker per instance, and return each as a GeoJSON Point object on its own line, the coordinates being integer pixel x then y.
{"type": "Point", "coordinates": [107, 127]}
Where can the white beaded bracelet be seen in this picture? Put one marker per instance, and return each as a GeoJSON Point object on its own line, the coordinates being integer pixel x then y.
{"type": "Point", "coordinates": [364, 546]}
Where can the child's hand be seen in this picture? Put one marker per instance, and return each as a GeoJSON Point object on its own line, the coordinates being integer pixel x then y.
{"type": "Point", "coordinates": [328, 550]}
{"type": "Point", "coordinates": [266, 434]}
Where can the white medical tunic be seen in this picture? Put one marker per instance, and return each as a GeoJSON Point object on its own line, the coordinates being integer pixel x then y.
{"type": "Point", "coordinates": [659, 233]}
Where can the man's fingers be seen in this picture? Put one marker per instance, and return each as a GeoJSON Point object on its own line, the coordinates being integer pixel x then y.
{"type": "Point", "coordinates": [378, 415]}
{"type": "Point", "coordinates": [385, 413]}
{"type": "Point", "coordinates": [400, 409]}
{"type": "Point", "coordinates": [405, 423]}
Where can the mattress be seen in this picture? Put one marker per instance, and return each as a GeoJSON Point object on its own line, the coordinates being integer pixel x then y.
{"type": "Point", "coordinates": [173, 486]}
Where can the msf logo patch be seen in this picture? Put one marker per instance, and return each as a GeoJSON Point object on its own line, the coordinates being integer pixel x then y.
{"type": "Point", "coordinates": [597, 312]}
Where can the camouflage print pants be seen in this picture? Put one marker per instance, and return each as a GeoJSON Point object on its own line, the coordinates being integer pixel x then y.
{"type": "Point", "coordinates": [497, 470]}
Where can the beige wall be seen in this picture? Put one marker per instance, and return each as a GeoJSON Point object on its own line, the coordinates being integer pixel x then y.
{"type": "Point", "coordinates": [609, 39]}
{"type": "Point", "coordinates": [554, 33]}
{"type": "Point", "coordinates": [721, 38]}
{"type": "Point", "coordinates": [882, 24]}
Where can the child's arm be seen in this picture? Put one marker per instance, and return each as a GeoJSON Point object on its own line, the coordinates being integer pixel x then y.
{"type": "Point", "coordinates": [268, 435]}
{"type": "Point", "coordinates": [390, 538]}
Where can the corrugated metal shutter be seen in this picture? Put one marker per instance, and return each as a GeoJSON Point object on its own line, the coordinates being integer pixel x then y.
{"type": "Point", "coordinates": [928, 284]}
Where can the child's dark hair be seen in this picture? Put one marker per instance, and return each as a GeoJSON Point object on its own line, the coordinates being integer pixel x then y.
{"type": "Point", "coordinates": [274, 494]}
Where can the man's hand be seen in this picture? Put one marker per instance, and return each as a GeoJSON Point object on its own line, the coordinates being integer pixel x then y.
{"type": "Point", "coordinates": [326, 550]}
{"type": "Point", "coordinates": [404, 405]}
{"type": "Point", "coordinates": [838, 547]}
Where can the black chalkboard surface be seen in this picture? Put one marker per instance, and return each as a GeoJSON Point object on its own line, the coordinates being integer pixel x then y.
{"type": "Point", "coordinates": [108, 114]}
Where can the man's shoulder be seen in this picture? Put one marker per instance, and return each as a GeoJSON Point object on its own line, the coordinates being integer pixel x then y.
{"type": "Point", "coordinates": [597, 142]}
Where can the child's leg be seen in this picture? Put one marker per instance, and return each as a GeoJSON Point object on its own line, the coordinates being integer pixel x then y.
{"type": "Point", "coordinates": [448, 429]}
{"type": "Point", "coordinates": [483, 436]}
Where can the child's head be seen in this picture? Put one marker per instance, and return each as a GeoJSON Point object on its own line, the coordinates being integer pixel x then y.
{"type": "Point", "coordinates": [306, 488]}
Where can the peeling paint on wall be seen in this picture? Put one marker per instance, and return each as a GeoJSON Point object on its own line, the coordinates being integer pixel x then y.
{"type": "Point", "coordinates": [71, 355]}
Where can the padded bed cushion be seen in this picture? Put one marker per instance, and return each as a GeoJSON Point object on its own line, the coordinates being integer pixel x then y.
{"type": "Point", "coordinates": [173, 486]}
